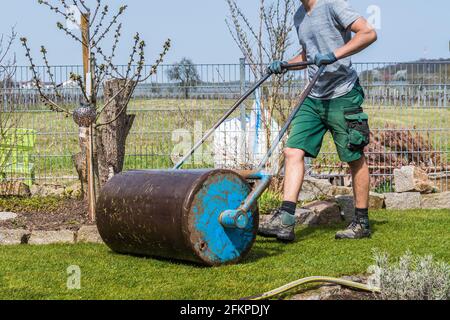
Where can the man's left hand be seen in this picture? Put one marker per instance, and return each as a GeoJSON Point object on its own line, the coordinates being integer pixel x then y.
{"type": "Point", "coordinates": [325, 59]}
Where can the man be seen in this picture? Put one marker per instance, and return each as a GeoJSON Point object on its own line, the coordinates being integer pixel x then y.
{"type": "Point", "coordinates": [325, 31]}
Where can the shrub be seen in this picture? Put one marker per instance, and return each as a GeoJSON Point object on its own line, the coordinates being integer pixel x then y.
{"type": "Point", "coordinates": [411, 278]}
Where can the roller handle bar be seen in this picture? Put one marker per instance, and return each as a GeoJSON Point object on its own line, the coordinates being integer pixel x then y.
{"type": "Point", "coordinates": [233, 108]}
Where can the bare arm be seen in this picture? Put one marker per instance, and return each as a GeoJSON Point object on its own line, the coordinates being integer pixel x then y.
{"type": "Point", "coordinates": [365, 35]}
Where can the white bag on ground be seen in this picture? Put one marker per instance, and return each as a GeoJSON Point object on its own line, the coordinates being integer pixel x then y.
{"type": "Point", "coordinates": [234, 149]}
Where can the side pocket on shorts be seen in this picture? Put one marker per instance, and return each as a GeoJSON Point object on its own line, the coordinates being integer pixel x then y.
{"type": "Point", "coordinates": [358, 130]}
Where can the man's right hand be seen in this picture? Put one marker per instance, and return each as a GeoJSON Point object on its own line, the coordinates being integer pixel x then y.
{"type": "Point", "coordinates": [276, 67]}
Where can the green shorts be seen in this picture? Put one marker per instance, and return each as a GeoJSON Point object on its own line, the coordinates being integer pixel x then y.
{"type": "Point", "coordinates": [344, 117]}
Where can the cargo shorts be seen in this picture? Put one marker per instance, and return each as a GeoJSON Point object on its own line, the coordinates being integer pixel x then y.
{"type": "Point", "coordinates": [344, 117]}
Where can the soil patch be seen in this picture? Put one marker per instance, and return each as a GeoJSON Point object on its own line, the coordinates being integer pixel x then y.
{"type": "Point", "coordinates": [45, 214]}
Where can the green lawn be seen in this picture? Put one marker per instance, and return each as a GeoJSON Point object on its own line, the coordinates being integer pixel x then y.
{"type": "Point", "coordinates": [40, 272]}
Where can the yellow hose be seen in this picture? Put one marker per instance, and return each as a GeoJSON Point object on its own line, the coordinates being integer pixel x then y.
{"type": "Point", "coordinates": [298, 283]}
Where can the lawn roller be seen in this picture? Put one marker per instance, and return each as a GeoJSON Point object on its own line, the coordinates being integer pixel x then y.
{"type": "Point", "coordinates": [208, 217]}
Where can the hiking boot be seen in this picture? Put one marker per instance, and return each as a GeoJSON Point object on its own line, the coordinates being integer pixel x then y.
{"type": "Point", "coordinates": [358, 229]}
{"type": "Point", "coordinates": [281, 226]}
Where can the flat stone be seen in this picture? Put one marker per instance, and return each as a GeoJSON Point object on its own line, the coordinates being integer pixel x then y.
{"type": "Point", "coordinates": [6, 216]}
{"type": "Point", "coordinates": [321, 213]}
{"type": "Point", "coordinates": [436, 201]}
{"type": "Point", "coordinates": [48, 190]}
{"type": "Point", "coordinates": [14, 189]}
{"type": "Point", "coordinates": [314, 189]}
{"type": "Point", "coordinates": [411, 178]}
{"type": "Point", "coordinates": [13, 237]}
{"type": "Point", "coordinates": [89, 234]}
{"type": "Point", "coordinates": [341, 191]}
{"type": "Point", "coordinates": [403, 201]}
{"type": "Point", "coordinates": [51, 237]}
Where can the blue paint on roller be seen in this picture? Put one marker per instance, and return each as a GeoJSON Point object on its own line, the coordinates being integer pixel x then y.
{"type": "Point", "coordinates": [222, 193]}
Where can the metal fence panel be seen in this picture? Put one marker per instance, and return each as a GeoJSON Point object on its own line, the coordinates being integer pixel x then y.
{"type": "Point", "coordinates": [408, 104]}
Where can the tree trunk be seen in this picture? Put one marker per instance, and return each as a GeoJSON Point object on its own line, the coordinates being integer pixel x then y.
{"type": "Point", "coordinates": [110, 139]}
{"type": "Point", "coordinates": [80, 159]}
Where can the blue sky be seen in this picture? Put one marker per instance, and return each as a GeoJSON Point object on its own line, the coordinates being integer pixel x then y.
{"type": "Point", "coordinates": [410, 29]}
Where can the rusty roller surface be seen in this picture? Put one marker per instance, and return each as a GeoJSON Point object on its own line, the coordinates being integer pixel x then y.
{"type": "Point", "coordinates": [176, 214]}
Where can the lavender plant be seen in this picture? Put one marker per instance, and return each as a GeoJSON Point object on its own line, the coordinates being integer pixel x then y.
{"type": "Point", "coordinates": [411, 278]}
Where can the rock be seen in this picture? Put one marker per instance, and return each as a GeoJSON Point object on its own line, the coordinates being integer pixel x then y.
{"type": "Point", "coordinates": [376, 201]}
{"type": "Point", "coordinates": [51, 237]}
{"type": "Point", "coordinates": [410, 178]}
{"type": "Point", "coordinates": [436, 201]}
{"type": "Point", "coordinates": [48, 190]}
{"type": "Point", "coordinates": [89, 234]}
{"type": "Point", "coordinates": [6, 216]}
{"type": "Point", "coordinates": [314, 189]}
{"type": "Point", "coordinates": [320, 213]}
{"type": "Point", "coordinates": [341, 191]}
{"type": "Point", "coordinates": [347, 207]}
{"type": "Point", "coordinates": [14, 237]}
{"type": "Point", "coordinates": [330, 291]}
{"type": "Point", "coordinates": [303, 215]}
{"type": "Point", "coordinates": [14, 189]}
{"type": "Point", "coordinates": [403, 201]}
{"type": "Point", "coordinates": [347, 204]}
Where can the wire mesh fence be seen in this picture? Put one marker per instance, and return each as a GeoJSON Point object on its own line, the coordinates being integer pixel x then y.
{"type": "Point", "coordinates": [408, 104]}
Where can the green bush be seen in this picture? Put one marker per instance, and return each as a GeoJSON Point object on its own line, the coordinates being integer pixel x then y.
{"type": "Point", "coordinates": [411, 278]}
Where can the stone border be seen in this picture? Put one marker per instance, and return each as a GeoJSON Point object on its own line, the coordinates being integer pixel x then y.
{"type": "Point", "coordinates": [86, 234]}
{"type": "Point", "coordinates": [416, 200]}
{"type": "Point", "coordinates": [315, 213]}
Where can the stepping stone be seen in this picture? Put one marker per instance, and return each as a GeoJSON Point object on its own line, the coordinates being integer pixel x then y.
{"type": "Point", "coordinates": [6, 216]}
{"type": "Point", "coordinates": [89, 234]}
{"type": "Point", "coordinates": [13, 237]}
{"type": "Point", "coordinates": [51, 237]}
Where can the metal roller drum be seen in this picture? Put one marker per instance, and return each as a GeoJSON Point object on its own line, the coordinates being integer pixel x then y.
{"type": "Point", "coordinates": [178, 214]}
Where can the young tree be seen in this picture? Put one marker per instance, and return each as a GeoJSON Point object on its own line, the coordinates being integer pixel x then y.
{"type": "Point", "coordinates": [103, 127]}
{"type": "Point", "coordinates": [269, 40]}
{"type": "Point", "coordinates": [8, 118]}
{"type": "Point", "coordinates": [186, 74]}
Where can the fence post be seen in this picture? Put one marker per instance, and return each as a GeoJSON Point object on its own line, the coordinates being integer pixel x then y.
{"type": "Point", "coordinates": [243, 113]}
{"type": "Point", "coordinates": [445, 95]}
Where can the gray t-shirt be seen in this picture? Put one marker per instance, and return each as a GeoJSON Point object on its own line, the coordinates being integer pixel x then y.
{"type": "Point", "coordinates": [324, 30]}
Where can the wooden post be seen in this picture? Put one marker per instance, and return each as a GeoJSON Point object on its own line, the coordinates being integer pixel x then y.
{"type": "Point", "coordinates": [87, 69]}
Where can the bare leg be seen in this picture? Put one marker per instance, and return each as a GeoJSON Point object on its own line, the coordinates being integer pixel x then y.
{"type": "Point", "coordinates": [361, 182]}
{"type": "Point", "coordinates": [294, 175]}
{"type": "Point", "coordinates": [282, 223]}
{"type": "Point", "coordinates": [360, 227]}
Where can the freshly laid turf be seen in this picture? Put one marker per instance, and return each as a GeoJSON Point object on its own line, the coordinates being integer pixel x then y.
{"type": "Point", "coordinates": [28, 272]}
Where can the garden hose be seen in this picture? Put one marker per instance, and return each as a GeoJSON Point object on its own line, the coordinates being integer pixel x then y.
{"type": "Point", "coordinates": [298, 283]}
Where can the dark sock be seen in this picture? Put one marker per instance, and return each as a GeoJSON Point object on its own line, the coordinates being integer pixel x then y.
{"type": "Point", "coordinates": [362, 213]}
{"type": "Point", "coordinates": [289, 207]}
{"type": "Point", "coordinates": [362, 216]}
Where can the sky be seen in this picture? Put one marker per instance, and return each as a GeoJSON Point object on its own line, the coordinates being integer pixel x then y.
{"type": "Point", "coordinates": [408, 29]}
